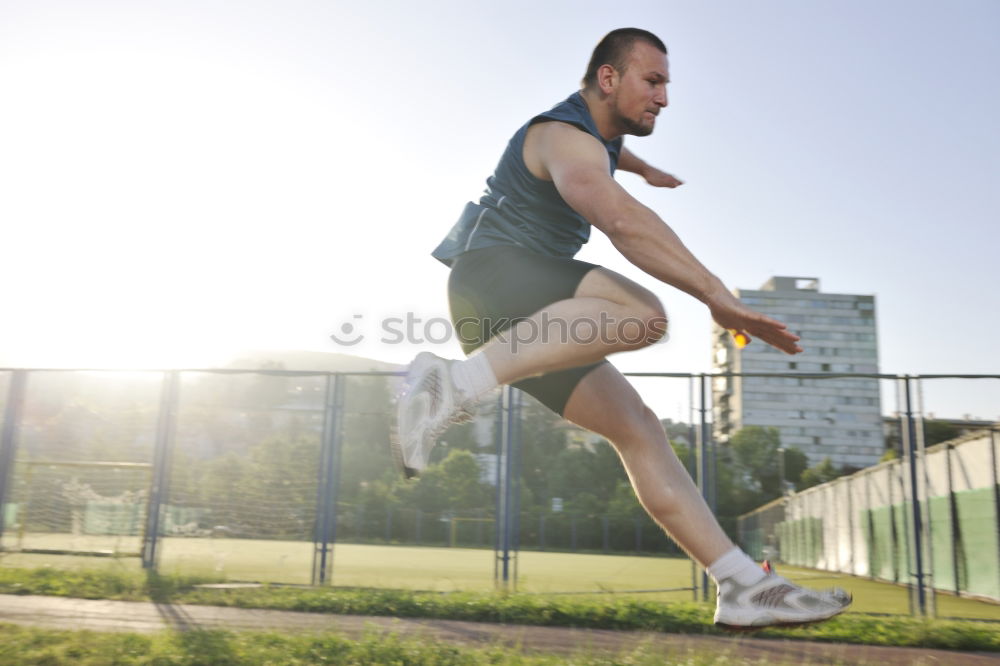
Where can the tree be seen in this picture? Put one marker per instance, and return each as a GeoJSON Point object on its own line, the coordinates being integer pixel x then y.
{"type": "Point", "coordinates": [796, 462]}
{"type": "Point", "coordinates": [585, 504]}
{"type": "Point", "coordinates": [579, 470]}
{"type": "Point", "coordinates": [755, 449]}
{"type": "Point", "coordinates": [936, 432]}
{"type": "Point", "coordinates": [817, 474]}
{"type": "Point", "coordinates": [542, 442]}
{"type": "Point", "coordinates": [453, 484]}
{"type": "Point", "coordinates": [624, 503]}
{"type": "Point", "coordinates": [677, 431]}
{"type": "Point", "coordinates": [365, 434]}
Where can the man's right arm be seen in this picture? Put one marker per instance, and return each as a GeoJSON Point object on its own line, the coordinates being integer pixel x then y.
{"type": "Point", "coordinates": [578, 166]}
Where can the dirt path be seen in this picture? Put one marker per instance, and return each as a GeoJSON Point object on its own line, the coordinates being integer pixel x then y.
{"type": "Point", "coordinates": [64, 613]}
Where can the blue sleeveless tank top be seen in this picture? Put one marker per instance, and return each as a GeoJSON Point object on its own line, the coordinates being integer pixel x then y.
{"type": "Point", "coordinates": [519, 209]}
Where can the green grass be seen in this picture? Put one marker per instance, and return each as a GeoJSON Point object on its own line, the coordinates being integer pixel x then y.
{"type": "Point", "coordinates": [604, 613]}
{"type": "Point", "coordinates": [30, 646]}
{"type": "Point", "coordinates": [463, 569]}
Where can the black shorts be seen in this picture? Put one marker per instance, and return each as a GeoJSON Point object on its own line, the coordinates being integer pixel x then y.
{"type": "Point", "coordinates": [492, 288]}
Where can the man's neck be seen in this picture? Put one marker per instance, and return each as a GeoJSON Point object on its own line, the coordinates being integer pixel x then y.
{"type": "Point", "coordinates": [601, 114]}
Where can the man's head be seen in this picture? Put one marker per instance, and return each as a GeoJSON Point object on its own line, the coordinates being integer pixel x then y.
{"type": "Point", "coordinates": [628, 69]}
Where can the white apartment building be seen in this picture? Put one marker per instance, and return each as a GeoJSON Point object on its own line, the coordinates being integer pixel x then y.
{"type": "Point", "coordinates": [823, 415]}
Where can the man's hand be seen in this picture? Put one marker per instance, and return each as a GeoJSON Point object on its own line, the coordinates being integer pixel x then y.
{"type": "Point", "coordinates": [629, 161]}
{"type": "Point", "coordinates": [658, 178]}
{"type": "Point", "coordinates": [730, 313]}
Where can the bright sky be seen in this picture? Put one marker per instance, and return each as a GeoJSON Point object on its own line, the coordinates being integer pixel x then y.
{"type": "Point", "coordinates": [182, 178]}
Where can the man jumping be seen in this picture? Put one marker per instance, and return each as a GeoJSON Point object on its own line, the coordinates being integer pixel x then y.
{"type": "Point", "coordinates": [515, 291]}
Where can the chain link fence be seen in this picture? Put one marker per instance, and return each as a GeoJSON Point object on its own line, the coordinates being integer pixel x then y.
{"type": "Point", "coordinates": [258, 474]}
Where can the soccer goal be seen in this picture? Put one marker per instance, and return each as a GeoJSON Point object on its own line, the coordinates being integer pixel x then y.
{"type": "Point", "coordinates": [470, 531]}
{"type": "Point", "coordinates": [77, 508]}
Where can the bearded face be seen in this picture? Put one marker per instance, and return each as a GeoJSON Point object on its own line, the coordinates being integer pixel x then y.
{"type": "Point", "coordinates": [642, 90]}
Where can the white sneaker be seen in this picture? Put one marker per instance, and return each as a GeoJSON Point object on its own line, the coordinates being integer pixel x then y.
{"type": "Point", "coordinates": [427, 405]}
{"type": "Point", "coordinates": [775, 601]}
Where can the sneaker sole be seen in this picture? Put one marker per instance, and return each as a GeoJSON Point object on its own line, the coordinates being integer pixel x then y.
{"type": "Point", "coordinates": [748, 628]}
{"type": "Point", "coordinates": [396, 450]}
{"type": "Point", "coordinates": [395, 446]}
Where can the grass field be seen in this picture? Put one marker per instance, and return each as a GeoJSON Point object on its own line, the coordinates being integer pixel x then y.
{"type": "Point", "coordinates": [454, 569]}
{"type": "Point", "coordinates": [30, 645]}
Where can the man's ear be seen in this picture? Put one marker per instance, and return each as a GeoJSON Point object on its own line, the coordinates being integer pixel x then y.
{"type": "Point", "coordinates": [607, 79]}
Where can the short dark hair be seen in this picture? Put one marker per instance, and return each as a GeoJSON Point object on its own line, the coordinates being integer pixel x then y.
{"type": "Point", "coordinates": [615, 48]}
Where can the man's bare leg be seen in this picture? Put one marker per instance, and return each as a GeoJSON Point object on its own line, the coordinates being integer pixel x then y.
{"type": "Point", "coordinates": [607, 314]}
{"type": "Point", "coordinates": [606, 403]}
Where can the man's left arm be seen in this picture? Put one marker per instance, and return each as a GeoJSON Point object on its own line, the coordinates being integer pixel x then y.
{"type": "Point", "coordinates": [628, 161]}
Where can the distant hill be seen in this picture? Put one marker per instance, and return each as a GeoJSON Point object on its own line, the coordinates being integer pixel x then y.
{"type": "Point", "coordinates": [307, 360]}
{"type": "Point", "coordinates": [252, 359]}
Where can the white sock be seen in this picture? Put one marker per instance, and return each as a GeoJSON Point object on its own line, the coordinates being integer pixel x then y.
{"type": "Point", "coordinates": [473, 377]}
{"type": "Point", "coordinates": [736, 565]}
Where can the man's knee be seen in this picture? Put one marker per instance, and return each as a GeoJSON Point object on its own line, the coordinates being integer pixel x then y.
{"type": "Point", "coordinates": [635, 425]}
{"type": "Point", "coordinates": [645, 326]}
{"type": "Point", "coordinates": [644, 321]}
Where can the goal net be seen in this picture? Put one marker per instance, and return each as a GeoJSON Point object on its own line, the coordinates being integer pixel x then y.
{"type": "Point", "coordinates": [77, 508]}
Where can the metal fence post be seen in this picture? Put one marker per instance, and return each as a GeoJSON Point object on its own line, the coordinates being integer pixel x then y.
{"type": "Point", "coordinates": [508, 523]}
{"type": "Point", "coordinates": [165, 427]}
{"type": "Point", "coordinates": [502, 557]}
{"type": "Point", "coordinates": [692, 463]}
{"type": "Point", "coordinates": [915, 500]}
{"type": "Point", "coordinates": [326, 492]}
{"type": "Point", "coordinates": [8, 436]}
{"type": "Point", "coordinates": [996, 496]}
{"type": "Point", "coordinates": [703, 466]}
{"type": "Point", "coordinates": [952, 517]}
{"type": "Point", "coordinates": [515, 476]}
{"type": "Point", "coordinates": [930, 583]}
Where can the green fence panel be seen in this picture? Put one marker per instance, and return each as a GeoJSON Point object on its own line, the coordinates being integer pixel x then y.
{"type": "Point", "coordinates": [888, 541]}
{"type": "Point", "coordinates": [978, 542]}
{"type": "Point", "coordinates": [902, 516]}
{"type": "Point", "coordinates": [753, 543]}
{"type": "Point", "coordinates": [800, 541]}
{"type": "Point", "coordinates": [785, 546]}
{"type": "Point", "coordinates": [816, 527]}
{"type": "Point", "coordinates": [796, 538]}
{"type": "Point", "coordinates": [805, 556]}
{"type": "Point", "coordinates": [974, 543]}
{"type": "Point", "coordinates": [942, 562]}
{"type": "Point", "coordinates": [10, 515]}
{"type": "Point", "coordinates": [879, 542]}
